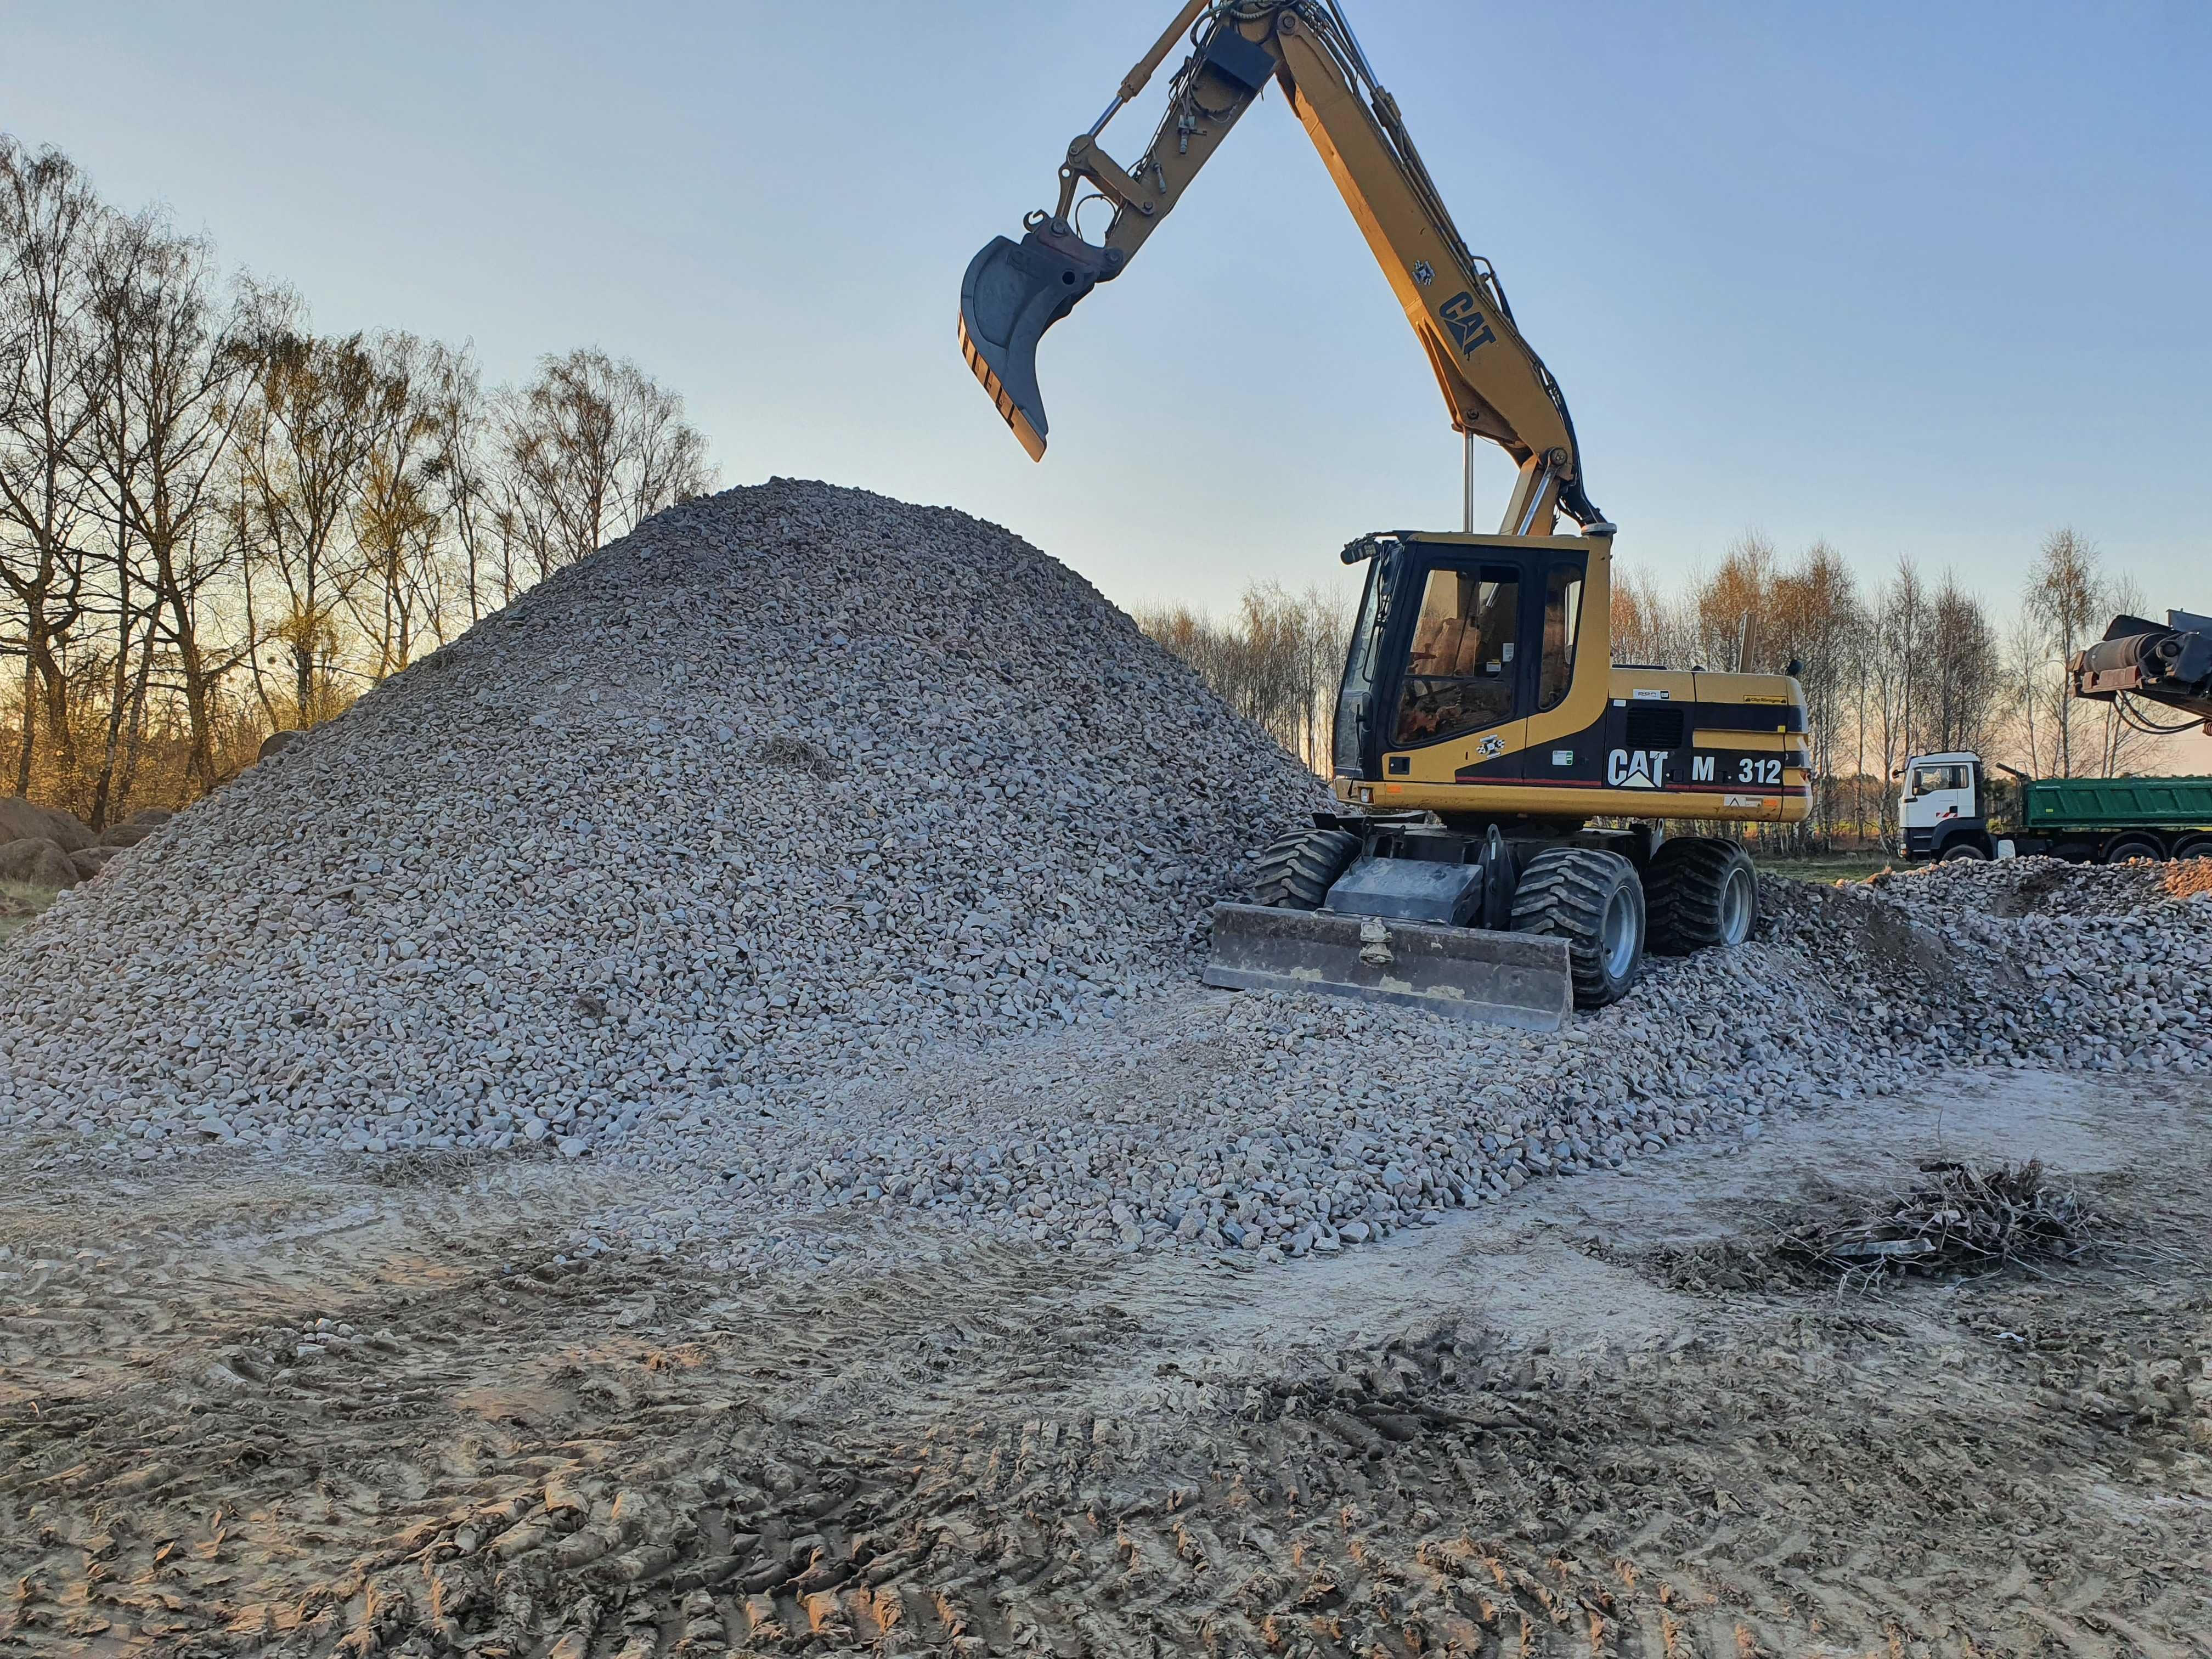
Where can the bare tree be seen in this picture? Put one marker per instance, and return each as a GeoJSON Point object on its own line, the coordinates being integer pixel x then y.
{"type": "Point", "coordinates": [307, 429]}
{"type": "Point", "coordinates": [1277, 662]}
{"type": "Point", "coordinates": [396, 523]}
{"type": "Point", "coordinates": [591, 447]}
{"type": "Point", "coordinates": [1964, 671]}
{"type": "Point", "coordinates": [2065, 598]}
{"type": "Point", "coordinates": [50, 221]}
{"type": "Point", "coordinates": [180, 465]}
{"type": "Point", "coordinates": [170, 362]}
{"type": "Point", "coordinates": [450, 392]}
{"type": "Point", "coordinates": [1813, 617]}
{"type": "Point", "coordinates": [1896, 668]}
{"type": "Point", "coordinates": [1730, 599]}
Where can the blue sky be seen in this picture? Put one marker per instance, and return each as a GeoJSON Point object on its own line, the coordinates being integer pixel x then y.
{"type": "Point", "coordinates": [1925, 281]}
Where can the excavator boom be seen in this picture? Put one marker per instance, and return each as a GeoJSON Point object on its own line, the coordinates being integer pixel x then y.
{"type": "Point", "coordinates": [1494, 385]}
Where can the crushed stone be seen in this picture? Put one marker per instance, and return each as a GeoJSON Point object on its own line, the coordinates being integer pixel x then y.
{"type": "Point", "coordinates": [842, 866]}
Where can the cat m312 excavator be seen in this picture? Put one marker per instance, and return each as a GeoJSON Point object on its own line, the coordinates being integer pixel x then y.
{"type": "Point", "coordinates": [1500, 849]}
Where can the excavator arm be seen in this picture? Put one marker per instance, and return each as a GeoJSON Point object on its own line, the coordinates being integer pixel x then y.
{"type": "Point", "coordinates": [1494, 385]}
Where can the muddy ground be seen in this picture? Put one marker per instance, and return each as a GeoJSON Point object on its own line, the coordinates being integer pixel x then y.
{"type": "Point", "coordinates": [1559, 1425]}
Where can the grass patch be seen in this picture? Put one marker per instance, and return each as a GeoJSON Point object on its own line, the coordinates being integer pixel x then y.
{"type": "Point", "coordinates": [20, 903]}
{"type": "Point", "coordinates": [1827, 867]}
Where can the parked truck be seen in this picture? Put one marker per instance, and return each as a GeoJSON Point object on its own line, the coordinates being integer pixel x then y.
{"type": "Point", "coordinates": [1953, 808]}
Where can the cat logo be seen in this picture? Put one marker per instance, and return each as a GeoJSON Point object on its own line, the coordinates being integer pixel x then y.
{"type": "Point", "coordinates": [1636, 768]}
{"type": "Point", "coordinates": [1469, 328]}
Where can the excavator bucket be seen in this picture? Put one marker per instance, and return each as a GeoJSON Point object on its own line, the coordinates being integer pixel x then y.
{"type": "Point", "coordinates": [1522, 980]}
{"type": "Point", "coordinates": [1013, 292]}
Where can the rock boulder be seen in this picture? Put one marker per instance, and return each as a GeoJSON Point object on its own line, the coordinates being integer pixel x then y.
{"type": "Point", "coordinates": [25, 820]}
{"type": "Point", "coordinates": [39, 861]}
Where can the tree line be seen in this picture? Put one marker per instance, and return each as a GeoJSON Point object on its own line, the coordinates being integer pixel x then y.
{"type": "Point", "coordinates": [216, 523]}
{"type": "Point", "coordinates": [1901, 665]}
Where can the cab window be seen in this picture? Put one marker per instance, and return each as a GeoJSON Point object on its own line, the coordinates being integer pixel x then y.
{"type": "Point", "coordinates": [1460, 671]}
{"type": "Point", "coordinates": [1927, 779]}
{"type": "Point", "coordinates": [1563, 616]}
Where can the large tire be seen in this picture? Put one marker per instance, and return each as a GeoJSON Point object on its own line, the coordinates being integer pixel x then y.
{"type": "Point", "coordinates": [1593, 901]}
{"type": "Point", "coordinates": [2196, 847]}
{"type": "Point", "coordinates": [2134, 847]}
{"type": "Point", "coordinates": [1702, 892]}
{"type": "Point", "coordinates": [1296, 872]}
{"type": "Point", "coordinates": [1965, 852]}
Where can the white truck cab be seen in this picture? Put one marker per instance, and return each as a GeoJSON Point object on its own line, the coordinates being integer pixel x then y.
{"type": "Point", "coordinates": [1944, 811]}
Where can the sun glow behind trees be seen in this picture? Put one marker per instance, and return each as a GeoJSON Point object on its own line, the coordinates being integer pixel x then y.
{"type": "Point", "coordinates": [1896, 666]}
{"type": "Point", "coordinates": [216, 523]}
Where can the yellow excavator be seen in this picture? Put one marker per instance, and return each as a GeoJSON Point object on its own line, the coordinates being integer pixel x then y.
{"type": "Point", "coordinates": [1501, 850]}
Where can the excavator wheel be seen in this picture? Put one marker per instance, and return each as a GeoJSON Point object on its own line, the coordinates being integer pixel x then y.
{"type": "Point", "coordinates": [1595, 901]}
{"type": "Point", "coordinates": [1296, 872]}
{"type": "Point", "coordinates": [1702, 892]}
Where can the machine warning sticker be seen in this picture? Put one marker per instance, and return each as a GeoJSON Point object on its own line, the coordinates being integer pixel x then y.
{"type": "Point", "coordinates": [1741, 800]}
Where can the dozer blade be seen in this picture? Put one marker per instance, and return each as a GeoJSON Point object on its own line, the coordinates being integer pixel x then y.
{"type": "Point", "coordinates": [1522, 980]}
{"type": "Point", "coordinates": [1013, 292]}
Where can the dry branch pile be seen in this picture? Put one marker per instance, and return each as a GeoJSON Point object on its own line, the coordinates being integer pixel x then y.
{"type": "Point", "coordinates": [1961, 1219]}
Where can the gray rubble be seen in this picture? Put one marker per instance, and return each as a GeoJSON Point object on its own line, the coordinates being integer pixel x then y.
{"type": "Point", "coordinates": [838, 865]}
{"type": "Point", "coordinates": [786, 785]}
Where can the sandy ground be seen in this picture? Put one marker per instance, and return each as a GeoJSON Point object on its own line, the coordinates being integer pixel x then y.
{"type": "Point", "coordinates": [1547, 1426]}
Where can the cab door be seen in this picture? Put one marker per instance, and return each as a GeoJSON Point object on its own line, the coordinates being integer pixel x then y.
{"type": "Point", "coordinates": [1468, 678]}
{"type": "Point", "coordinates": [1938, 795]}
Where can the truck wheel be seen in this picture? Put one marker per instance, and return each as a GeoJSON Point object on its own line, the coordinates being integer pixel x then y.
{"type": "Point", "coordinates": [2196, 847]}
{"type": "Point", "coordinates": [1595, 901]}
{"type": "Point", "coordinates": [1701, 891]}
{"type": "Point", "coordinates": [1965, 852]}
{"type": "Point", "coordinates": [1296, 872]}
{"type": "Point", "coordinates": [2133, 846]}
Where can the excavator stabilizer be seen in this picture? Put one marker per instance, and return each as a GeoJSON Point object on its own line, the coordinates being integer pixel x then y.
{"type": "Point", "coordinates": [1522, 980]}
{"type": "Point", "coordinates": [1013, 292]}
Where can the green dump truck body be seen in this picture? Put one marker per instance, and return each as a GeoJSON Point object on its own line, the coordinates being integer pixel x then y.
{"type": "Point", "coordinates": [2098, 806]}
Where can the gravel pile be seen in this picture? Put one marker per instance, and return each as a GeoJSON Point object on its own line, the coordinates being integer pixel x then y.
{"type": "Point", "coordinates": [790, 852]}
{"type": "Point", "coordinates": [788, 784]}
{"type": "Point", "coordinates": [1296, 1125]}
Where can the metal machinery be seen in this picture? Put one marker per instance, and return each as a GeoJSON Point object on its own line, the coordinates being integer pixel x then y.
{"type": "Point", "coordinates": [1482, 727]}
{"type": "Point", "coordinates": [1952, 808]}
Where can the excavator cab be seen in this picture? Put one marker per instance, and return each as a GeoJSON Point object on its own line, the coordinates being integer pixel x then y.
{"type": "Point", "coordinates": [1457, 637]}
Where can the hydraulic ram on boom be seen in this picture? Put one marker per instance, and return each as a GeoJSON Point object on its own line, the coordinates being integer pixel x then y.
{"type": "Point", "coordinates": [1494, 385]}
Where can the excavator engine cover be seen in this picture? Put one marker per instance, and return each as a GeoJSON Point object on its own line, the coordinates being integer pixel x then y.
{"type": "Point", "coordinates": [1013, 292]}
{"type": "Point", "coordinates": [1522, 980]}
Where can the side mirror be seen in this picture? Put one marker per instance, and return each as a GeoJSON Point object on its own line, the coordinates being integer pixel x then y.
{"type": "Point", "coordinates": [1794, 667]}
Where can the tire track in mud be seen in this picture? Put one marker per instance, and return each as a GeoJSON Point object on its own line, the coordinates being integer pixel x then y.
{"type": "Point", "coordinates": [593, 1492]}
{"type": "Point", "coordinates": [350, 1419]}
